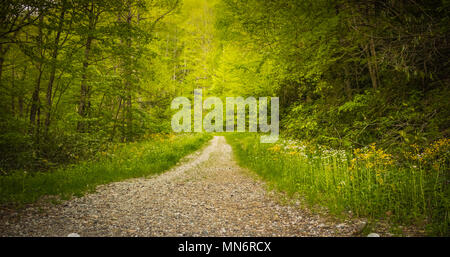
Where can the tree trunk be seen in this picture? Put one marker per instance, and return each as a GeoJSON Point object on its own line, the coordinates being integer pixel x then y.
{"type": "Point", "coordinates": [13, 91]}
{"type": "Point", "coordinates": [53, 69]}
{"type": "Point", "coordinates": [35, 99]}
{"type": "Point", "coordinates": [83, 104]}
{"type": "Point", "coordinates": [372, 64]}
{"type": "Point", "coordinates": [20, 95]}
{"type": "Point", "coordinates": [127, 73]}
{"type": "Point", "coordinates": [115, 119]}
{"type": "Point", "coordinates": [128, 86]}
{"type": "Point", "coordinates": [371, 53]}
{"type": "Point", "coordinates": [2, 59]}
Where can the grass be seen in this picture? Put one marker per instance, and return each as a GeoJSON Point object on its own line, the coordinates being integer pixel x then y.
{"type": "Point", "coordinates": [124, 161]}
{"type": "Point", "coordinates": [368, 181]}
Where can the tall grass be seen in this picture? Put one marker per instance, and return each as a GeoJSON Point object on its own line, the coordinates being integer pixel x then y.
{"type": "Point", "coordinates": [130, 160]}
{"type": "Point", "coordinates": [368, 181]}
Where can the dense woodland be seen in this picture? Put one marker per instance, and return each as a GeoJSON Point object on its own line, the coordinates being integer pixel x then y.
{"type": "Point", "coordinates": [369, 78]}
{"type": "Point", "coordinates": [78, 76]}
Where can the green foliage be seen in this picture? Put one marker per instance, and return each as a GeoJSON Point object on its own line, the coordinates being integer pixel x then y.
{"type": "Point", "coordinates": [348, 73]}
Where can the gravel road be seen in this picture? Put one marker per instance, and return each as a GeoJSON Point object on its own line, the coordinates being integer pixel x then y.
{"type": "Point", "coordinates": [207, 194]}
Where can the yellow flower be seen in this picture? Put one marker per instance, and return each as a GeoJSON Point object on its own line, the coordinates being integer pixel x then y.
{"type": "Point", "coordinates": [275, 148]}
{"type": "Point", "coordinates": [371, 157]}
{"type": "Point", "coordinates": [380, 180]}
{"type": "Point", "coordinates": [436, 166]}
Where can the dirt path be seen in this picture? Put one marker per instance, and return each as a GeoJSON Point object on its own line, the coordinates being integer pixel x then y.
{"type": "Point", "coordinates": [207, 195]}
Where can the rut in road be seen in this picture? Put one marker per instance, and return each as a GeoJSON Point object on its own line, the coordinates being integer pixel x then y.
{"type": "Point", "coordinates": [207, 195]}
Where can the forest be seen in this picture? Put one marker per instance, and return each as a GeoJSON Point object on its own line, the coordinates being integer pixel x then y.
{"type": "Point", "coordinates": [365, 78]}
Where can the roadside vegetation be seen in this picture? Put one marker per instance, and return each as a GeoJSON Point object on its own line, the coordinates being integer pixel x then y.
{"type": "Point", "coordinates": [122, 161]}
{"type": "Point", "coordinates": [367, 181]}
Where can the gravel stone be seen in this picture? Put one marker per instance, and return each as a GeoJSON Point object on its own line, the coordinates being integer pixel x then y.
{"type": "Point", "coordinates": [207, 194]}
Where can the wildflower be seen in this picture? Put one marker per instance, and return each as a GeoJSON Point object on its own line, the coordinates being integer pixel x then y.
{"type": "Point", "coordinates": [435, 166]}
{"type": "Point", "coordinates": [372, 157]}
{"type": "Point", "coordinates": [379, 179]}
{"type": "Point", "coordinates": [275, 148]}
